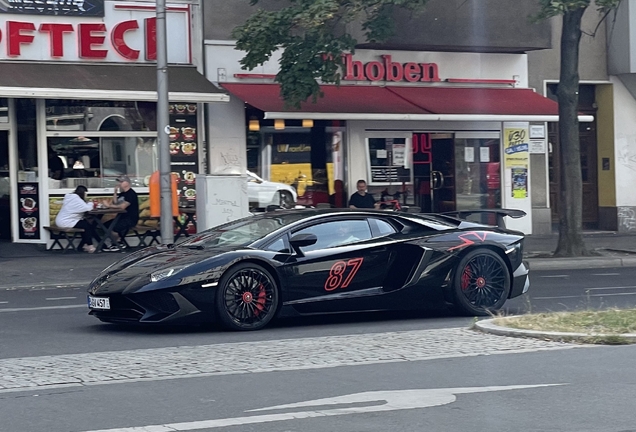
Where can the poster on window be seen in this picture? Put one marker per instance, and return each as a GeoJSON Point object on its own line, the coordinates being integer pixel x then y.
{"type": "Point", "coordinates": [53, 7]}
{"type": "Point", "coordinates": [184, 154]}
{"type": "Point", "coordinates": [516, 144]}
{"type": "Point", "coordinates": [28, 211]}
{"type": "Point", "coordinates": [519, 182]}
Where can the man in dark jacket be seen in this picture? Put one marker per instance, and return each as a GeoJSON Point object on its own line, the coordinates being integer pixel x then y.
{"type": "Point", "coordinates": [362, 199]}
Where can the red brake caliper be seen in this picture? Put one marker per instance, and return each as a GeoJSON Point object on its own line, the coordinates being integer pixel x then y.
{"type": "Point", "coordinates": [466, 275]}
{"type": "Point", "coordinates": [260, 300]}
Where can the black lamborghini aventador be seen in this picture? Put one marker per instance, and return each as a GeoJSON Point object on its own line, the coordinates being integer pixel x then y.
{"type": "Point", "coordinates": [302, 262]}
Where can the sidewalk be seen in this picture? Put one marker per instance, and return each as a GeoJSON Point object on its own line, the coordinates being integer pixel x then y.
{"type": "Point", "coordinates": [26, 265]}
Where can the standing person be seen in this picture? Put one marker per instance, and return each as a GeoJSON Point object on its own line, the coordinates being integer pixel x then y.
{"type": "Point", "coordinates": [124, 198]}
{"type": "Point", "coordinates": [71, 215]}
{"type": "Point", "coordinates": [362, 199]}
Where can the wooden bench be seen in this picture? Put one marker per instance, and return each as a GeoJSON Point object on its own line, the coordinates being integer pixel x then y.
{"type": "Point", "coordinates": [58, 233]}
{"type": "Point", "coordinates": [144, 232]}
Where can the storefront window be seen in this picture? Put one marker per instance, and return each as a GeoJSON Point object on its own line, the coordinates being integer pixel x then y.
{"type": "Point", "coordinates": [306, 154]}
{"type": "Point", "coordinates": [478, 174]}
{"type": "Point", "coordinates": [311, 159]}
{"type": "Point", "coordinates": [97, 162]}
{"type": "Point", "coordinates": [83, 115]}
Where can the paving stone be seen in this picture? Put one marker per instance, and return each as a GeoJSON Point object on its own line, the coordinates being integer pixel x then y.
{"type": "Point", "coordinates": [258, 357]}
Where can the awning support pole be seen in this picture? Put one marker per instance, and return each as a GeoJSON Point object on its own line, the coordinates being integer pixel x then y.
{"type": "Point", "coordinates": [163, 127]}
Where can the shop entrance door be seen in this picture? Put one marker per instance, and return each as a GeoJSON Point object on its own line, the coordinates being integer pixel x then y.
{"type": "Point", "coordinates": [5, 188]}
{"type": "Point", "coordinates": [589, 172]}
{"type": "Point", "coordinates": [434, 172]}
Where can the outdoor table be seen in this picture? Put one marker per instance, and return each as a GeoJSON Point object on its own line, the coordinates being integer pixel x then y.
{"type": "Point", "coordinates": [97, 215]}
{"type": "Point", "coordinates": [190, 213]}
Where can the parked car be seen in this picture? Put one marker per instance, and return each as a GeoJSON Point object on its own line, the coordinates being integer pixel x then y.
{"type": "Point", "coordinates": [305, 262]}
{"type": "Point", "coordinates": [263, 193]}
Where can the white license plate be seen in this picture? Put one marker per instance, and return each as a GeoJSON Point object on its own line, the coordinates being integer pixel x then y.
{"type": "Point", "coordinates": [98, 302]}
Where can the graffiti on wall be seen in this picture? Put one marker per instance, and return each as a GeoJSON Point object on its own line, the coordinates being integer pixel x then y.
{"type": "Point", "coordinates": [626, 219]}
{"type": "Point", "coordinates": [626, 150]}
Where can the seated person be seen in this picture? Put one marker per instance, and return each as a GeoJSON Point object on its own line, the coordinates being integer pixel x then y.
{"type": "Point", "coordinates": [124, 198]}
{"type": "Point", "coordinates": [361, 199]}
{"type": "Point", "coordinates": [71, 215]}
{"type": "Point", "coordinates": [343, 236]}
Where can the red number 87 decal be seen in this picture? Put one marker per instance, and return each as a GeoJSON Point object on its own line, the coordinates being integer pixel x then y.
{"type": "Point", "coordinates": [337, 272]}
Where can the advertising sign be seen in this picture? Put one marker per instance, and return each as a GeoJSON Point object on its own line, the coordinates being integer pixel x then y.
{"type": "Point", "coordinates": [184, 153]}
{"type": "Point", "coordinates": [516, 156]}
{"type": "Point", "coordinates": [76, 31]}
{"type": "Point", "coordinates": [28, 211]}
{"type": "Point", "coordinates": [53, 7]}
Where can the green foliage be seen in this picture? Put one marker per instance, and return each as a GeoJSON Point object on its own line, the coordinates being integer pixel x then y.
{"type": "Point", "coordinates": [313, 36]}
{"type": "Point", "coordinates": [551, 8]}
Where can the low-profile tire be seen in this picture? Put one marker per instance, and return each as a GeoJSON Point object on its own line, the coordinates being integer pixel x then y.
{"type": "Point", "coordinates": [481, 283]}
{"type": "Point", "coordinates": [246, 298]}
{"type": "Point", "coordinates": [286, 200]}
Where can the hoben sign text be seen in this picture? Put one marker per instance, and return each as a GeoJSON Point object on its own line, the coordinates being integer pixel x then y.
{"type": "Point", "coordinates": [388, 70]}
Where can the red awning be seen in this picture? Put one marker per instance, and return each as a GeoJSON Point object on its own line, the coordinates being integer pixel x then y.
{"type": "Point", "coordinates": [357, 102]}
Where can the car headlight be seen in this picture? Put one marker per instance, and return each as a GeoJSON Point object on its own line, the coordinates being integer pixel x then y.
{"type": "Point", "coordinates": [166, 273]}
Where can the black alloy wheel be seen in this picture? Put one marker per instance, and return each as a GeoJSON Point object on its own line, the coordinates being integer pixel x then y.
{"type": "Point", "coordinates": [482, 283]}
{"type": "Point", "coordinates": [286, 200]}
{"type": "Point", "coordinates": [247, 297]}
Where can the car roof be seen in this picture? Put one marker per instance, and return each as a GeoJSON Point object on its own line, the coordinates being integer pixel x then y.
{"type": "Point", "coordinates": [313, 212]}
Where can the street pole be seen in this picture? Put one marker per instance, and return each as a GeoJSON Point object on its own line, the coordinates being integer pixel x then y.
{"type": "Point", "coordinates": [163, 127]}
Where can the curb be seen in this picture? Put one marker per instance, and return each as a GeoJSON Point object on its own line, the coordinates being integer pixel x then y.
{"type": "Point", "coordinates": [488, 326]}
{"type": "Point", "coordinates": [579, 263]}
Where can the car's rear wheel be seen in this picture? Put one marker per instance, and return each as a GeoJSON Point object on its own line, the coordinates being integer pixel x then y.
{"type": "Point", "coordinates": [286, 200]}
{"type": "Point", "coordinates": [247, 297]}
{"type": "Point", "coordinates": [481, 284]}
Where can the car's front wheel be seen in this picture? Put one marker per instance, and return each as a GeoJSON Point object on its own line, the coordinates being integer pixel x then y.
{"type": "Point", "coordinates": [481, 284]}
{"type": "Point", "coordinates": [286, 200]}
{"type": "Point", "coordinates": [247, 297]}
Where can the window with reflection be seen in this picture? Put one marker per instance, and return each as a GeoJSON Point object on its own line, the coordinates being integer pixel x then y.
{"type": "Point", "coordinates": [89, 115]}
{"type": "Point", "coordinates": [97, 162]}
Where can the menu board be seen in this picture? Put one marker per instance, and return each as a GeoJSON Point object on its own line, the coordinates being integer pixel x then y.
{"type": "Point", "coordinates": [53, 7]}
{"type": "Point", "coordinates": [184, 154]}
{"type": "Point", "coordinates": [28, 211]}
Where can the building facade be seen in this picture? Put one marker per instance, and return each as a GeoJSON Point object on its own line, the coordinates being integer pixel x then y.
{"type": "Point", "coordinates": [440, 116]}
{"type": "Point", "coordinates": [78, 104]}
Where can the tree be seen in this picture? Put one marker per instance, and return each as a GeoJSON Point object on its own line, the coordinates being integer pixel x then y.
{"type": "Point", "coordinates": [571, 194]}
{"type": "Point", "coordinates": [313, 36]}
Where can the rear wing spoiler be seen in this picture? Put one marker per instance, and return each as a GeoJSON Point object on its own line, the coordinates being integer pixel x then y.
{"type": "Point", "coordinates": [500, 214]}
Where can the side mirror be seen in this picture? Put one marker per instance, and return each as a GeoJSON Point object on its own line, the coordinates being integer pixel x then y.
{"type": "Point", "coordinates": [302, 240]}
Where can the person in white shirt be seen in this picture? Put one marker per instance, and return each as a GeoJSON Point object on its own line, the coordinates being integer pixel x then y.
{"type": "Point", "coordinates": [71, 215]}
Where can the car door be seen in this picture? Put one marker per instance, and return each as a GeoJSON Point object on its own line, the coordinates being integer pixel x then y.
{"type": "Point", "coordinates": [341, 271]}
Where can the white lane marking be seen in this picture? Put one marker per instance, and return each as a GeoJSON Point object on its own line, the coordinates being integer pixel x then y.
{"type": "Point", "coordinates": [606, 274]}
{"type": "Point", "coordinates": [4, 302]}
{"type": "Point", "coordinates": [555, 276]}
{"type": "Point", "coordinates": [584, 296]}
{"type": "Point", "coordinates": [611, 288]}
{"type": "Point", "coordinates": [42, 308]}
{"type": "Point", "coordinates": [393, 401]}
{"type": "Point", "coordinates": [60, 298]}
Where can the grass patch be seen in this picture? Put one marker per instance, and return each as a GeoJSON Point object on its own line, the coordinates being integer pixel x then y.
{"type": "Point", "coordinates": [612, 322]}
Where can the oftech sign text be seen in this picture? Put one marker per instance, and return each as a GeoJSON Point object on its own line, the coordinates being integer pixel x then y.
{"type": "Point", "coordinates": [126, 34]}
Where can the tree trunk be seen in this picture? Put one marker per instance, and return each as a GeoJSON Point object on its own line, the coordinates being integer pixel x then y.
{"type": "Point", "coordinates": [571, 193]}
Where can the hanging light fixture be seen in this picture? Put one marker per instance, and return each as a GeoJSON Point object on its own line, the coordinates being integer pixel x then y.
{"type": "Point", "coordinates": [308, 123]}
{"type": "Point", "coordinates": [254, 125]}
{"type": "Point", "coordinates": [279, 124]}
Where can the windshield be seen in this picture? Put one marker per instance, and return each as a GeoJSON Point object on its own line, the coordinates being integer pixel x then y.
{"type": "Point", "coordinates": [242, 232]}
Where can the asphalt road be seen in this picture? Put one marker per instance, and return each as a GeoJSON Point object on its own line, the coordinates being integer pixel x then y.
{"type": "Point", "coordinates": [62, 370]}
